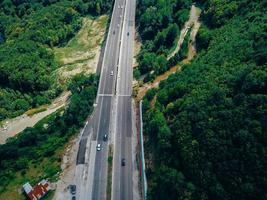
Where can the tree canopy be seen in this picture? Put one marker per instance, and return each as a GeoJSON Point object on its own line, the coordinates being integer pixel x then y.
{"type": "Point", "coordinates": [206, 125]}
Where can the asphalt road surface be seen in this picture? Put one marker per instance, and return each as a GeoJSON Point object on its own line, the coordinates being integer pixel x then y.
{"type": "Point", "coordinates": [122, 187]}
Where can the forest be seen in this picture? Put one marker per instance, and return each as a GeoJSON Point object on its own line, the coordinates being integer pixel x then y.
{"type": "Point", "coordinates": [206, 126]}
{"type": "Point", "coordinates": [28, 31]}
{"type": "Point", "coordinates": [37, 148]}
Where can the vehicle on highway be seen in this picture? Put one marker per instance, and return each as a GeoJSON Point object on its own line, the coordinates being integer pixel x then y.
{"type": "Point", "coordinates": [113, 32]}
{"type": "Point", "coordinates": [72, 189]}
{"type": "Point", "coordinates": [73, 198]}
{"type": "Point", "coordinates": [98, 147]}
{"type": "Point", "coordinates": [128, 34]}
{"type": "Point", "coordinates": [105, 138]}
{"type": "Point", "coordinates": [123, 162]}
{"type": "Point", "coordinates": [111, 73]}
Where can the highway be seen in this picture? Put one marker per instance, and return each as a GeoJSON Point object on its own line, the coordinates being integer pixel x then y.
{"type": "Point", "coordinates": [92, 182]}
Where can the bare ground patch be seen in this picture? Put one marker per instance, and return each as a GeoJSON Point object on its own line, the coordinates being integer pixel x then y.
{"type": "Point", "coordinates": [82, 53]}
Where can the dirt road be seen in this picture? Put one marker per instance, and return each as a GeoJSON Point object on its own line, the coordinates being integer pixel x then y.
{"type": "Point", "coordinates": [191, 23]}
{"type": "Point", "coordinates": [14, 126]}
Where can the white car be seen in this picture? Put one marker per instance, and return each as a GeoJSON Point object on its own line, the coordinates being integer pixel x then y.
{"type": "Point", "coordinates": [111, 73]}
{"type": "Point", "coordinates": [98, 147]}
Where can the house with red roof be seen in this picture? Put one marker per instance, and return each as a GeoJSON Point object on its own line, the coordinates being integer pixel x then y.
{"type": "Point", "coordinates": [38, 191]}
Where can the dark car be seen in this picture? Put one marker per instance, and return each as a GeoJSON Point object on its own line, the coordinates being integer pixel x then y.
{"type": "Point", "coordinates": [128, 34]}
{"type": "Point", "coordinates": [105, 138]}
{"type": "Point", "coordinates": [73, 198]}
{"type": "Point", "coordinates": [73, 189]}
{"type": "Point", "coordinates": [113, 32]}
{"type": "Point", "coordinates": [123, 162]}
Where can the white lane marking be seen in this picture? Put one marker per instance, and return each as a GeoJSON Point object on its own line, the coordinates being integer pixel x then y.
{"type": "Point", "coordinates": [124, 95]}
{"type": "Point", "coordinates": [105, 95]}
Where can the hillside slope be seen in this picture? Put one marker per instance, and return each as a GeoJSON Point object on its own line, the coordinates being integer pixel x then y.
{"type": "Point", "coordinates": [28, 32]}
{"type": "Point", "coordinates": [207, 125]}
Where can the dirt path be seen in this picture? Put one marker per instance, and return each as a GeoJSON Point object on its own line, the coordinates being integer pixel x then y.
{"type": "Point", "coordinates": [191, 23]}
{"type": "Point", "coordinates": [14, 126]}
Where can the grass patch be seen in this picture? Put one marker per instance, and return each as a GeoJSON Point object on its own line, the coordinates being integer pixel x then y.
{"type": "Point", "coordinates": [33, 111]}
{"type": "Point", "coordinates": [110, 164]}
{"type": "Point", "coordinates": [175, 44]}
{"type": "Point", "coordinates": [49, 195]}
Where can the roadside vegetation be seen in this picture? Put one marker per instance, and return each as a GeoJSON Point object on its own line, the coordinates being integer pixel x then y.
{"type": "Point", "coordinates": [110, 165]}
{"type": "Point", "coordinates": [206, 125]}
{"type": "Point", "coordinates": [36, 152]}
{"type": "Point", "coordinates": [28, 33]}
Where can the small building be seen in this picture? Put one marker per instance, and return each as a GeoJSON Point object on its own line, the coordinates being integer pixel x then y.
{"type": "Point", "coordinates": [38, 191]}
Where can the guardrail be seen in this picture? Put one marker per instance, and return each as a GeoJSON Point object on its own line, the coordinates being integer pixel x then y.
{"type": "Point", "coordinates": [143, 166]}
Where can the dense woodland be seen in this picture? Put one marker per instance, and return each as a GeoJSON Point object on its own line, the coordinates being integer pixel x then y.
{"type": "Point", "coordinates": [34, 146]}
{"type": "Point", "coordinates": [159, 24]}
{"type": "Point", "coordinates": [28, 31]}
{"type": "Point", "coordinates": [206, 126]}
